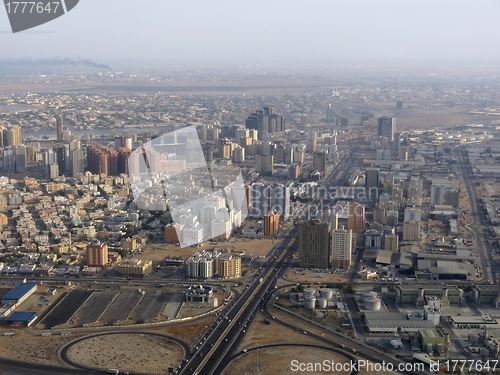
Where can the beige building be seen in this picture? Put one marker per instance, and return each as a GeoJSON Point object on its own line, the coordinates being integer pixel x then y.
{"type": "Point", "coordinates": [128, 244]}
{"type": "Point", "coordinates": [341, 248]}
{"type": "Point", "coordinates": [356, 218]}
{"type": "Point", "coordinates": [135, 267]}
{"type": "Point", "coordinates": [391, 243]}
{"type": "Point", "coordinates": [228, 266]}
{"type": "Point", "coordinates": [411, 231]}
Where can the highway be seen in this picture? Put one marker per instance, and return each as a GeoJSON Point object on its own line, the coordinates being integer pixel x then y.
{"type": "Point", "coordinates": [478, 217]}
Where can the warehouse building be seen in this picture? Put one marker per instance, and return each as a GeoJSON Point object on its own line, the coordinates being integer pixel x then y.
{"type": "Point", "coordinates": [395, 322]}
{"type": "Point", "coordinates": [432, 339]}
{"type": "Point", "coordinates": [24, 317]}
{"type": "Point", "coordinates": [20, 293]}
{"type": "Point", "coordinates": [414, 295]}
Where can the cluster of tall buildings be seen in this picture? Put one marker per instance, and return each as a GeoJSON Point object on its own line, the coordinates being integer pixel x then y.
{"type": "Point", "coordinates": [265, 121]}
{"type": "Point", "coordinates": [10, 136]}
{"type": "Point", "coordinates": [207, 264]}
{"type": "Point", "coordinates": [107, 161]}
{"type": "Point", "coordinates": [267, 199]}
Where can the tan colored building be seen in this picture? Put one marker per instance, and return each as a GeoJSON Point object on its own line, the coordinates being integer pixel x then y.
{"type": "Point", "coordinates": [3, 219]}
{"type": "Point", "coordinates": [228, 266]}
{"type": "Point", "coordinates": [271, 223]}
{"type": "Point", "coordinates": [128, 244]}
{"type": "Point", "coordinates": [135, 267]}
{"type": "Point", "coordinates": [341, 248]}
{"type": "Point", "coordinates": [356, 218]}
{"type": "Point", "coordinates": [391, 243]}
{"type": "Point", "coordinates": [411, 231]}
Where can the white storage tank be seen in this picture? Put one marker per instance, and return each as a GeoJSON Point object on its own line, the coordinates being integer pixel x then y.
{"type": "Point", "coordinates": [372, 303]}
{"type": "Point", "coordinates": [322, 303]}
{"type": "Point", "coordinates": [368, 294]}
{"type": "Point", "coordinates": [309, 293]}
{"type": "Point", "coordinates": [326, 293]}
{"type": "Point", "coordinates": [310, 303]}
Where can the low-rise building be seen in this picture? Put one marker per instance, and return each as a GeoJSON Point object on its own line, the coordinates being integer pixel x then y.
{"type": "Point", "coordinates": [135, 267]}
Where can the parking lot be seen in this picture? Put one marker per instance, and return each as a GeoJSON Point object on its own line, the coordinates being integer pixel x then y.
{"type": "Point", "coordinates": [121, 307]}
{"type": "Point", "coordinates": [95, 306]}
{"type": "Point", "coordinates": [150, 306]}
{"type": "Point", "coordinates": [63, 311]}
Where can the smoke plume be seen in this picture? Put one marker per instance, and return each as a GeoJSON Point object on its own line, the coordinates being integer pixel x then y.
{"type": "Point", "coordinates": [56, 62]}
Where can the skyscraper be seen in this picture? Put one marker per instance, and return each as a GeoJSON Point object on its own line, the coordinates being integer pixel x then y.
{"type": "Point", "coordinates": [386, 126]}
{"type": "Point", "coordinates": [330, 116]}
{"type": "Point", "coordinates": [12, 136]}
{"type": "Point", "coordinates": [356, 218]}
{"type": "Point", "coordinates": [97, 255]}
{"type": "Point", "coordinates": [372, 178]}
{"type": "Point", "coordinates": [314, 244]}
{"type": "Point", "coordinates": [265, 121]}
{"type": "Point", "coordinates": [59, 127]}
{"type": "Point", "coordinates": [21, 159]}
{"type": "Point", "coordinates": [77, 162]}
{"type": "Point", "coordinates": [319, 161]}
{"type": "Point", "coordinates": [341, 248]}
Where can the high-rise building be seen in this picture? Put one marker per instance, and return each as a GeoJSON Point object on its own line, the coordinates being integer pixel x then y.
{"type": "Point", "coordinates": [270, 198]}
{"type": "Point", "coordinates": [356, 218]}
{"type": "Point", "coordinates": [21, 159]}
{"type": "Point", "coordinates": [97, 255]}
{"type": "Point", "coordinates": [123, 142]}
{"type": "Point", "coordinates": [391, 219]}
{"type": "Point", "coordinates": [373, 240]}
{"type": "Point", "coordinates": [2, 131]}
{"type": "Point", "coordinates": [104, 161]}
{"type": "Point", "coordinates": [9, 160]}
{"type": "Point", "coordinates": [293, 172]}
{"type": "Point", "coordinates": [399, 104]}
{"type": "Point", "coordinates": [320, 162]}
{"type": "Point", "coordinates": [391, 243]}
{"type": "Point", "coordinates": [264, 164]}
{"type": "Point", "coordinates": [411, 231]}
{"type": "Point", "coordinates": [396, 145]}
{"type": "Point", "coordinates": [386, 126]}
{"type": "Point", "coordinates": [228, 266]}
{"type": "Point", "coordinates": [271, 224]}
{"type": "Point", "coordinates": [314, 244]}
{"type": "Point", "coordinates": [12, 136]}
{"type": "Point", "coordinates": [77, 162]}
{"type": "Point", "coordinates": [372, 178]}
{"type": "Point", "coordinates": [341, 248]}
{"type": "Point", "coordinates": [330, 116]}
{"type": "Point", "coordinates": [412, 214]}
{"type": "Point", "coordinates": [379, 213]}
{"type": "Point", "coordinates": [59, 128]}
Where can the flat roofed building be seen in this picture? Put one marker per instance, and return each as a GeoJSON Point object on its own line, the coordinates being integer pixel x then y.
{"type": "Point", "coordinates": [389, 322]}
{"type": "Point", "coordinates": [135, 267]}
{"type": "Point", "coordinates": [433, 337]}
{"type": "Point", "coordinates": [314, 244]}
{"type": "Point", "coordinates": [472, 321]}
{"type": "Point", "coordinates": [228, 266]}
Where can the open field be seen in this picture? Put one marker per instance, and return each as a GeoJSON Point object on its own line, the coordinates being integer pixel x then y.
{"type": "Point", "coordinates": [128, 352]}
{"type": "Point", "coordinates": [312, 277]}
{"type": "Point", "coordinates": [66, 308]}
{"type": "Point", "coordinates": [248, 247]}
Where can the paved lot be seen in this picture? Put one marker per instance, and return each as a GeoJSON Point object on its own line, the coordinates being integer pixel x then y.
{"type": "Point", "coordinates": [174, 305]}
{"type": "Point", "coordinates": [150, 306]}
{"type": "Point", "coordinates": [94, 307]}
{"type": "Point", "coordinates": [121, 307]}
{"type": "Point", "coordinates": [66, 308]}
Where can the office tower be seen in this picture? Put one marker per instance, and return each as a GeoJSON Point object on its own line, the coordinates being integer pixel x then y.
{"type": "Point", "coordinates": [264, 164]}
{"type": "Point", "coordinates": [341, 248]}
{"type": "Point", "coordinates": [238, 155]}
{"type": "Point", "coordinates": [372, 178]}
{"type": "Point", "coordinates": [280, 154]}
{"type": "Point", "coordinates": [265, 122]}
{"type": "Point", "coordinates": [61, 158]}
{"type": "Point", "coordinates": [12, 136]}
{"type": "Point", "coordinates": [330, 116]}
{"type": "Point", "coordinates": [53, 171]}
{"type": "Point", "coordinates": [356, 218]}
{"type": "Point", "coordinates": [49, 157]}
{"type": "Point", "coordinates": [289, 154]}
{"type": "Point", "coordinates": [77, 162]}
{"type": "Point", "coordinates": [314, 244]}
{"type": "Point", "coordinates": [451, 197]}
{"type": "Point", "coordinates": [412, 214]}
{"type": "Point", "coordinates": [269, 198]}
{"type": "Point", "coordinates": [396, 145]}
{"type": "Point", "coordinates": [373, 240]}
{"type": "Point", "coordinates": [271, 224]}
{"type": "Point", "coordinates": [21, 159]}
{"type": "Point", "coordinates": [241, 133]}
{"type": "Point", "coordinates": [319, 162]}
{"type": "Point", "coordinates": [97, 255]}
{"type": "Point", "coordinates": [293, 172]}
{"type": "Point", "coordinates": [411, 231]}
{"type": "Point", "coordinates": [225, 151]}
{"type": "Point", "coordinates": [399, 104]}
{"type": "Point", "coordinates": [391, 219]}
{"type": "Point", "coordinates": [9, 160]}
{"type": "Point", "coordinates": [344, 122]}
{"type": "Point", "coordinates": [386, 126]}
{"type": "Point", "coordinates": [123, 142]}
{"type": "Point", "coordinates": [59, 127]}
{"type": "Point", "coordinates": [379, 213]}
{"type": "Point", "coordinates": [437, 194]}
{"type": "Point", "coordinates": [391, 243]}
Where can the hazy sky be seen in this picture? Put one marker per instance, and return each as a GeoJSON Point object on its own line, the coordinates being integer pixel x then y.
{"type": "Point", "coordinates": [282, 31]}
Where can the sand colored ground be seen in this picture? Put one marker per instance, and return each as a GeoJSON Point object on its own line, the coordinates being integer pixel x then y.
{"type": "Point", "coordinates": [187, 330]}
{"type": "Point", "coordinates": [248, 247]}
{"type": "Point", "coordinates": [128, 352]}
{"type": "Point", "coordinates": [35, 349]}
{"type": "Point", "coordinates": [278, 360]}
{"type": "Point", "coordinates": [312, 277]}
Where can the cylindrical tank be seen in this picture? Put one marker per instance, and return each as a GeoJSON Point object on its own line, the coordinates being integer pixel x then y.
{"type": "Point", "coordinates": [310, 303]}
{"type": "Point", "coordinates": [371, 303]}
{"type": "Point", "coordinates": [326, 293]}
{"type": "Point", "coordinates": [309, 293]}
{"type": "Point", "coordinates": [322, 303]}
{"type": "Point", "coordinates": [369, 294]}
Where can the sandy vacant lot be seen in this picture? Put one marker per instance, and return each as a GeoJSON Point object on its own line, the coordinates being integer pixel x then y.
{"type": "Point", "coordinates": [128, 352]}
{"type": "Point", "coordinates": [248, 247]}
{"type": "Point", "coordinates": [312, 277]}
{"type": "Point", "coordinates": [278, 360]}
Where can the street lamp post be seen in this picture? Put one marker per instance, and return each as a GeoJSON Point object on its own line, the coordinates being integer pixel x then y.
{"type": "Point", "coordinates": [257, 345]}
